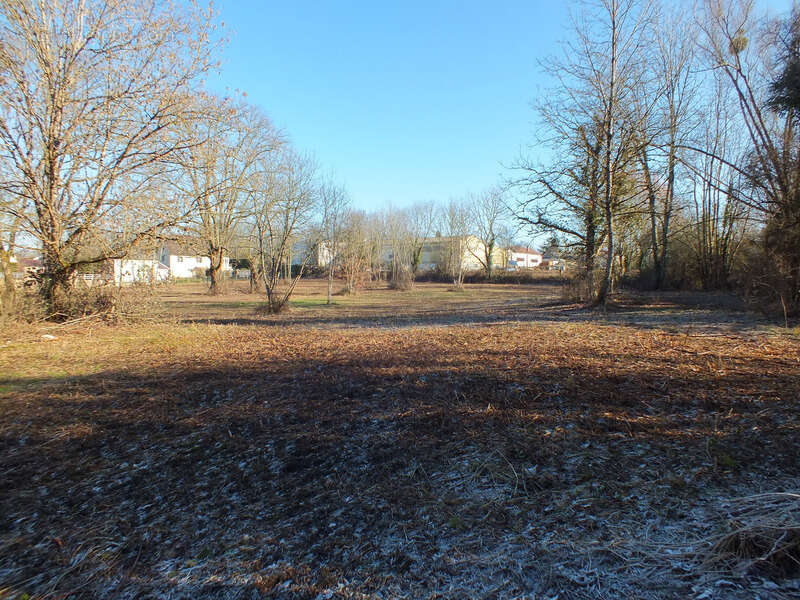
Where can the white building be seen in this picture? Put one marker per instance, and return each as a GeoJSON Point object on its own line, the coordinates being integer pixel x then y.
{"type": "Point", "coordinates": [138, 270]}
{"type": "Point", "coordinates": [321, 254]}
{"type": "Point", "coordinates": [140, 266]}
{"type": "Point", "coordinates": [522, 257]}
{"type": "Point", "coordinates": [439, 252]}
{"type": "Point", "coordinates": [184, 263]}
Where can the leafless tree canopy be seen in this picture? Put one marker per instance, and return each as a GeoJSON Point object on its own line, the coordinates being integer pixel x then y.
{"type": "Point", "coordinates": [93, 96]}
{"type": "Point", "coordinates": [674, 144]}
{"type": "Point", "coordinates": [220, 172]}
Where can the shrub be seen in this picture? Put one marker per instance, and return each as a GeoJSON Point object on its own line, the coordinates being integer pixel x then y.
{"type": "Point", "coordinates": [401, 280]}
{"type": "Point", "coordinates": [137, 302]}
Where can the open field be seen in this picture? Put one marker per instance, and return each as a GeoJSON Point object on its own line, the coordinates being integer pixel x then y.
{"type": "Point", "coordinates": [492, 443]}
{"type": "Point", "coordinates": [433, 304]}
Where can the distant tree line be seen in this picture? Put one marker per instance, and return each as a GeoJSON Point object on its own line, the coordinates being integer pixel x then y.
{"type": "Point", "coordinates": [110, 144]}
{"type": "Point", "coordinates": [671, 137]}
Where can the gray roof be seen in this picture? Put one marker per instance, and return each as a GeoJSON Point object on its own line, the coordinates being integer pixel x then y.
{"type": "Point", "coordinates": [181, 248]}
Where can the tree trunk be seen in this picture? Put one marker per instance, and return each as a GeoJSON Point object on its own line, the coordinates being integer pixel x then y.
{"type": "Point", "coordinates": [602, 295]}
{"type": "Point", "coordinates": [589, 258]}
{"type": "Point", "coordinates": [215, 270]}
{"type": "Point", "coordinates": [8, 293]}
{"type": "Point", "coordinates": [254, 276]}
{"type": "Point", "coordinates": [655, 245]}
{"type": "Point", "coordinates": [489, 261]}
{"type": "Point", "coordinates": [55, 277]}
{"type": "Point", "coordinates": [330, 281]}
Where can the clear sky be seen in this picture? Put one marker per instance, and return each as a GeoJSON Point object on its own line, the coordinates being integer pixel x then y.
{"type": "Point", "coordinates": [403, 101]}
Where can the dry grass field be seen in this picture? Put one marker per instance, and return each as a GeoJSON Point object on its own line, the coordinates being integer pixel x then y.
{"type": "Point", "coordinates": [490, 443]}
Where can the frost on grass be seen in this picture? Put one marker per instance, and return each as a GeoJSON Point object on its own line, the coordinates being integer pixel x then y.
{"type": "Point", "coordinates": [559, 460]}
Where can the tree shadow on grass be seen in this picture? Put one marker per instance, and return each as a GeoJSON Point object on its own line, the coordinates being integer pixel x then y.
{"type": "Point", "coordinates": [357, 472]}
{"type": "Point", "coordinates": [645, 318]}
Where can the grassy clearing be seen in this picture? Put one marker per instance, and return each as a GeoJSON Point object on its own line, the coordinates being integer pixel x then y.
{"type": "Point", "coordinates": [541, 452]}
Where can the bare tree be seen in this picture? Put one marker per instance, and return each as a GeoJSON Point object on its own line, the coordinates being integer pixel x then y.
{"type": "Point", "coordinates": [455, 224]}
{"type": "Point", "coordinates": [92, 91]}
{"type": "Point", "coordinates": [589, 116]}
{"type": "Point", "coordinates": [421, 219]}
{"type": "Point", "coordinates": [719, 218]}
{"type": "Point", "coordinates": [752, 56]}
{"type": "Point", "coordinates": [10, 218]}
{"type": "Point", "coordinates": [335, 205]}
{"type": "Point", "coordinates": [285, 203]}
{"type": "Point", "coordinates": [219, 171]}
{"type": "Point", "coordinates": [356, 250]}
{"type": "Point", "coordinates": [376, 241]}
{"type": "Point", "coordinates": [667, 95]}
{"type": "Point", "coordinates": [614, 66]}
{"type": "Point", "coordinates": [399, 238]}
{"type": "Point", "coordinates": [566, 198]}
{"type": "Point", "coordinates": [488, 210]}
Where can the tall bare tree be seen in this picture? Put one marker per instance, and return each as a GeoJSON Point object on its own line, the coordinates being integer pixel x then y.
{"type": "Point", "coordinates": [335, 206]}
{"type": "Point", "coordinates": [753, 56]}
{"type": "Point", "coordinates": [421, 219]}
{"type": "Point", "coordinates": [613, 66]}
{"type": "Point", "coordinates": [399, 238]}
{"type": "Point", "coordinates": [233, 138]}
{"type": "Point", "coordinates": [456, 227]}
{"type": "Point", "coordinates": [356, 250]}
{"type": "Point", "coordinates": [91, 93]}
{"type": "Point", "coordinates": [664, 104]}
{"type": "Point", "coordinates": [285, 204]}
{"type": "Point", "coordinates": [718, 218]}
{"type": "Point", "coordinates": [589, 116]}
{"type": "Point", "coordinates": [566, 197]}
{"type": "Point", "coordinates": [488, 210]}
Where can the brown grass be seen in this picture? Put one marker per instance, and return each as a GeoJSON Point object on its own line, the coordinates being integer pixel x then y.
{"type": "Point", "coordinates": [481, 459]}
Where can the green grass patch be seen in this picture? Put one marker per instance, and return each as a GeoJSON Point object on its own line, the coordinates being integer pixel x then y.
{"type": "Point", "coordinates": [310, 302]}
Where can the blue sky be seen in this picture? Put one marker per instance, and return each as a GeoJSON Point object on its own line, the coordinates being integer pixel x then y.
{"type": "Point", "coordinates": [403, 101]}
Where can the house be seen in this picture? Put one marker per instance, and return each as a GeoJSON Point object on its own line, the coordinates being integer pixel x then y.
{"type": "Point", "coordinates": [320, 257]}
{"type": "Point", "coordinates": [140, 265]}
{"type": "Point", "coordinates": [138, 270]}
{"type": "Point", "coordinates": [439, 253]}
{"type": "Point", "coordinates": [183, 262]}
{"type": "Point", "coordinates": [553, 262]}
{"type": "Point", "coordinates": [522, 257]}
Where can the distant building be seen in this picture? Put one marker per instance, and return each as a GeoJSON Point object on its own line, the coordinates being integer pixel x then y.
{"type": "Point", "coordinates": [139, 266]}
{"type": "Point", "coordinates": [321, 254]}
{"type": "Point", "coordinates": [138, 270]}
{"type": "Point", "coordinates": [183, 262]}
{"type": "Point", "coordinates": [439, 252]}
{"type": "Point", "coordinates": [522, 257]}
{"type": "Point", "coordinates": [553, 262]}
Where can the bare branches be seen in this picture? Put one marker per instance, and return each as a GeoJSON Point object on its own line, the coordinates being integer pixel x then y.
{"type": "Point", "coordinates": [284, 203]}
{"type": "Point", "coordinates": [93, 93]}
{"type": "Point", "coordinates": [219, 173]}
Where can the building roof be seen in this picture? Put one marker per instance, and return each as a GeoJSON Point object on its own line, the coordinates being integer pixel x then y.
{"type": "Point", "coordinates": [30, 261]}
{"type": "Point", "coordinates": [181, 248]}
{"type": "Point", "coordinates": [525, 250]}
